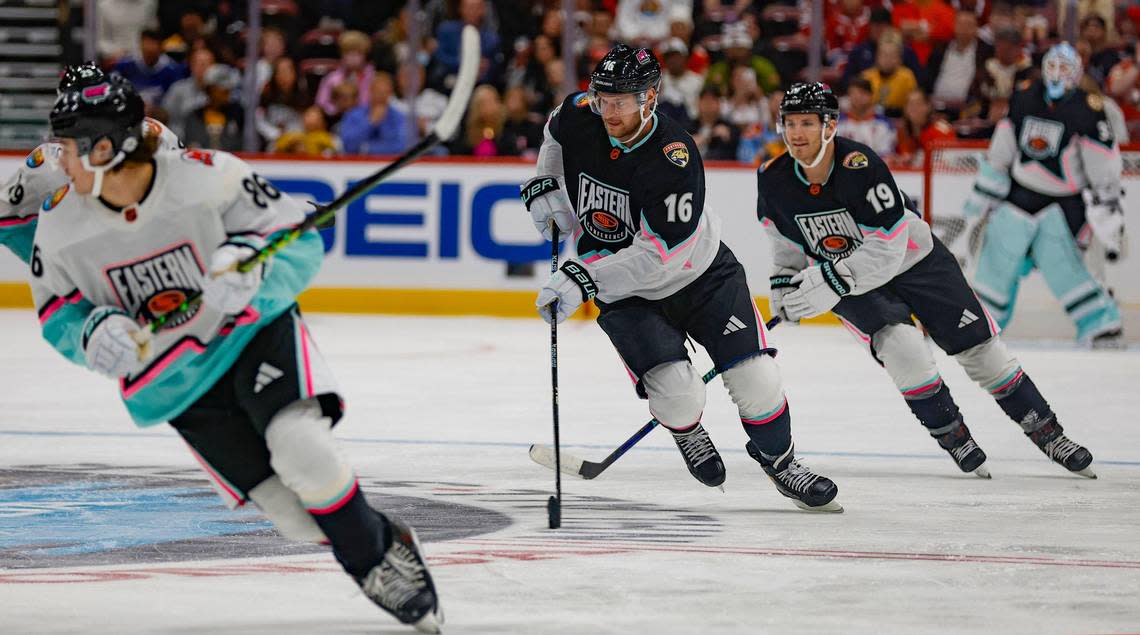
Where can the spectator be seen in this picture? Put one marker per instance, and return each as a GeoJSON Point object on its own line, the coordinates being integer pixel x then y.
{"type": "Point", "coordinates": [152, 72]}
{"type": "Point", "coordinates": [919, 128]}
{"type": "Point", "coordinates": [428, 103]}
{"type": "Point", "coordinates": [485, 119]}
{"type": "Point", "coordinates": [191, 28]}
{"type": "Point", "coordinates": [1124, 84]}
{"type": "Point", "coordinates": [522, 131]}
{"type": "Point", "coordinates": [1105, 9]}
{"type": "Point", "coordinates": [345, 97]}
{"type": "Point", "coordinates": [354, 47]}
{"type": "Point", "coordinates": [120, 23]}
{"type": "Point", "coordinates": [1007, 68]}
{"type": "Point", "coordinates": [738, 52]}
{"type": "Point", "coordinates": [273, 48]}
{"type": "Point", "coordinates": [446, 57]}
{"type": "Point", "coordinates": [283, 100]}
{"type": "Point", "coordinates": [377, 128]}
{"type": "Point", "coordinates": [953, 66]}
{"type": "Point", "coordinates": [862, 123]}
{"type": "Point", "coordinates": [645, 23]}
{"type": "Point", "coordinates": [925, 24]}
{"type": "Point", "coordinates": [555, 71]}
{"type": "Point", "coordinates": [745, 105]}
{"type": "Point", "coordinates": [716, 138]}
{"type": "Point", "coordinates": [540, 91]}
{"type": "Point", "coordinates": [1001, 17]}
{"type": "Point", "coordinates": [890, 81]}
{"type": "Point", "coordinates": [681, 27]}
{"type": "Point", "coordinates": [761, 142]}
{"type": "Point", "coordinates": [1102, 58]}
{"type": "Point", "coordinates": [680, 87]}
{"type": "Point", "coordinates": [313, 139]}
{"type": "Point", "coordinates": [862, 57]}
{"type": "Point", "coordinates": [218, 124]}
{"type": "Point", "coordinates": [846, 24]}
{"type": "Point", "coordinates": [187, 95]}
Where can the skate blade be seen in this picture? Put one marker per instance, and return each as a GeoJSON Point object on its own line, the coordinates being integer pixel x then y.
{"type": "Point", "coordinates": [431, 622]}
{"type": "Point", "coordinates": [982, 472]}
{"type": "Point", "coordinates": [1087, 473]}
{"type": "Point", "coordinates": [832, 507]}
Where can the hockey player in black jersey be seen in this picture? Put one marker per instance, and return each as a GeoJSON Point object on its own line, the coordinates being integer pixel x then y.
{"type": "Point", "coordinates": [844, 240]}
{"type": "Point", "coordinates": [628, 185]}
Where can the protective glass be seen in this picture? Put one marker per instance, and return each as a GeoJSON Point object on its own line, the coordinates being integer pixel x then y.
{"type": "Point", "coordinates": [620, 104]}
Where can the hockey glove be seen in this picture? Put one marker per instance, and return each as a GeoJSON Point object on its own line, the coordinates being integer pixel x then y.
{"type": "Point", "coordinates": [226, 289]}
{"type": "Point", "coordinates": [568, 288]}
{"type": "Point", "coordinates": [977, 205]}
{"type": "Point", "coordinates": [547, 203]}
{"type": "Point", "coordinates": [109, 342]}
{"type": "Point", "coordinates": [1107, 223]}
{"type": "Point", "coordinates": [781, 285]}
{"type": "Point", "coordinates": [820, 289]}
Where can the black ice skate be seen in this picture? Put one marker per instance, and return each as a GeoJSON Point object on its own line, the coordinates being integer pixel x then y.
{"type": "Point", "coordinates": [959, 443]}
{"type": "Point", "coordinates": [401, 584]}
{"type": "Point", "coordinates": [1063, 450]}
{"type": "Point", "coordinates": [1111, 340]}
{"type": "Point", "coordinates": [700, 455]}
{"type": "Point", "coordinates": [807, 489]}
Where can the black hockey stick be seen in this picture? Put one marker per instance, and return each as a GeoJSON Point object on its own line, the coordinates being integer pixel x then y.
{"type": "Point", "coordinates": [544, 456]}
{"type": "Point", "coordinates": [444, 129]}
{"type": "Point", "coordinates": [554, 505]}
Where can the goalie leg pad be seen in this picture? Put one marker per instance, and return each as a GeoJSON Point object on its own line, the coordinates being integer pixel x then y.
{"type": "Point", "coordinates": [756, 389]}
{"type": "Point", "coordinates": [281, 505]}
{"type": "Point", "coordinates": [1005, 246]}
{"type": "Point", "coordinates": [676, 394]}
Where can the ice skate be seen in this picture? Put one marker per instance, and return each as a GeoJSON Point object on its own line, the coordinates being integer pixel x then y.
{"type": "Point", "coordinates": [807, 489]}
{"type": "Point", "coordinates": [401, 584]}
{"type": "Point", "coordinates": [701, 456]}
{"type": "Point", "coordinates": [1063, 450]}
{"type": "Point", "coordinates": [959, 443]}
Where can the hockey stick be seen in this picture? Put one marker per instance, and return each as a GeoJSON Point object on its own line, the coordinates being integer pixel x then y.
{"type": "Point", "coordinates": [444, 129]}
{"type": "Point", "coordinates": [544, 456]}
{"type": "Point", "coordinates": [554, 505]}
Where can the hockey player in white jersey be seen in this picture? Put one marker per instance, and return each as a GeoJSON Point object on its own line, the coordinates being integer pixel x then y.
{"type": "Point", "coordinates": [1055, 149]}
{"type": "Point", "coordinates": [40, 174]}
{"type": "Point", "coordinates": [237, 376]}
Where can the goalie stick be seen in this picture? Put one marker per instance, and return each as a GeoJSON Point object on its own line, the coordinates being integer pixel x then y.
{"type": "Point", "coordinates": [547, 457]}
{"type": "Point", "coordinates": [444, 129]}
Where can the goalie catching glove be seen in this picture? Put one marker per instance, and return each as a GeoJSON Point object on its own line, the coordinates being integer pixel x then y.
{"type": "Point", "coordinates": [547, 203]}
{"type": "Point", "coordinates": [567, 288]}
{"type": "Point", "coordinates": [1106, 220]}
{"type": "Point", "coordinates": [819, 289]}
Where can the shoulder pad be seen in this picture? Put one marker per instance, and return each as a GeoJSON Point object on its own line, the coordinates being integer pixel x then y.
{"type": "Point", "coordinates": [53, 201]}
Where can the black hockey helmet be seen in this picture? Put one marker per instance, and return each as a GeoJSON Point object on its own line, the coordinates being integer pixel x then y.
{"type": "Point", "coordinates": [110, 109]}
{"type": "Point", "coordinates": [79, 75]}
{"type": "Point", "coordinates": [810, 97]}
{"type": "Point", "coordinates": [626, 70]}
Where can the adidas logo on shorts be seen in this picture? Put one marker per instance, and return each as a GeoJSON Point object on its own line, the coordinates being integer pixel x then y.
{"type": "Point", "coordinates": [968, 318]}
{"type": "Point", "coordinates": [734, 325]}
{"type": "Point", "coordinates": [266, 374]}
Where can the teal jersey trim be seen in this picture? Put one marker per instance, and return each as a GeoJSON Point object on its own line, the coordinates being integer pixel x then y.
{"type": "Point", "coordinates": [803, 179]}
{"type": "Point", "coordinates": [191, 375]}
{"type": "Point", "coordinates": [63, 329]}
{"type": "Point", "coordinates": [618, 144]}
{"type": "Point", "coordinates": [19, 238]}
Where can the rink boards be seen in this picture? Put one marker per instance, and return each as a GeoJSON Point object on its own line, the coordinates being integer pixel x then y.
{"type": "Point", "coordinates": [436, 239]}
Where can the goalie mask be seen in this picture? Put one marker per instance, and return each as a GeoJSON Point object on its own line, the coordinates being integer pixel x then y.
{"type": "Point", "coordinates": [111, 110]}
{"type": "Point", "coordinates": [810, 98]}
{"type": "Point", "coordinates": [625, 70]}
{"type": "Point", "coordinates": [1060, 70]}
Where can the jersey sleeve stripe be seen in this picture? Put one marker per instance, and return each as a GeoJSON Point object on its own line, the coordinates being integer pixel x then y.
{"type": "Point", "coordinates": [55, 303]}
{"type": "Point", "coordinates": [14, 221]}
{"type": "Point", "coordinates": [668, 253]}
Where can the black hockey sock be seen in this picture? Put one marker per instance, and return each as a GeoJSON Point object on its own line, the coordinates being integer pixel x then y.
{"type": "Point", "coordinates": [359, 534]}
{"type": "Point", "coordinates": [1024, 404]}
{"type": "Point", "coordinates": [936, 411]}
{"type": "Point", "coordinates": [771, 433]}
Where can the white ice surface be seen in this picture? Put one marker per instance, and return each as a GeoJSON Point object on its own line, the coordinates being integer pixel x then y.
{"type": "Point", "coordinates": [921, 548]}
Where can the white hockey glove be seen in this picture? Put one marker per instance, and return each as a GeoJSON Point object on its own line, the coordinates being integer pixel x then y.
{"type": "Point", "coordinates": [110, 342]}
{"type": "Point", "coordinates": [781, 285]}
{"type": "Point", "coordinates": [568, 288]}
{"type": "Point", "coordinates": [547, 203]}
{"type": "Point", "coordinates": [820, 289]}
{"type": "Point", "coordinates": [226, 289]}
{"type": "Point", "coordinates": [1107, 223]}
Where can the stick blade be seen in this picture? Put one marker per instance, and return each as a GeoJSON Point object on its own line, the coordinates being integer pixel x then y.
{"type": "Point", "coordinates": [544, 456]}
{"type": "Point", "coordinates": [448, 123]}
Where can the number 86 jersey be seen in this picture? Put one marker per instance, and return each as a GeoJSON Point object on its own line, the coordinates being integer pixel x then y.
{"type": "Point", "coordinates": [643, 229]}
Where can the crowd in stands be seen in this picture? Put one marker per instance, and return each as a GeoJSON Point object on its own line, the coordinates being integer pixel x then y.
{"type": "Point", "coordinates": [365, 77]}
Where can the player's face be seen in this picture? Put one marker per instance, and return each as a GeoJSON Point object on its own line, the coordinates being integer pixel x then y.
{"type": "Point", "coordinates": [81, 179]}
{"type": "Point", "coordinates": [620, 112]}
{"type": "Point", "coordinates": [802, 134]}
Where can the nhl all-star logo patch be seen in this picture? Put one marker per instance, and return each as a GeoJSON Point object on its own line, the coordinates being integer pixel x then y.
{"type": "Point", "coordinates": [582, 100]}
{"type": "Point", "coordinates": [52, 201]}
{"type": "Point", "coordinates": [677, 153]}
{"type": "Point", "coordinates": [1041, 138]}
{"type": "Point", "coordinates": [36, 158]}
{"type": "Point", "coordinates": [855, 161]}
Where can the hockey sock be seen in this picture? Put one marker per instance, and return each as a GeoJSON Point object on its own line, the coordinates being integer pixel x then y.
{"type": "Point", "coordinates": [771, 432]}
{"type": "Point", "coordinates": [1021, 400]}
{"type": "Point", "coordinates": [359, 534]}
{"type": "Point", "coordinates": [935, 409]}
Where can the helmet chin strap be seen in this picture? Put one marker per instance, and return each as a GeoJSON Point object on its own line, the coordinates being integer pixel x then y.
{"type": "Point", "coordinates": [644, 119]}
{"type": "Point", "coordinates": [100, 170]}
{"type": "Point", "coordinates": [824, 141]}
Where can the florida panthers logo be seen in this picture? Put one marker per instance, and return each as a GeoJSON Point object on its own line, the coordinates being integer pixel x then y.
{"type": "Point", "coordinates": [155, 285]}
{"type": "Point", "coordinates": [832, 234]}
{"type": "Point", "coordinates": [603, 210]}
{"type": "Point", "coordinates": [677, 153]}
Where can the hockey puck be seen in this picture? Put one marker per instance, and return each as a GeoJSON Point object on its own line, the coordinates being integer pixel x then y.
{"type": "Point", "coordinates": [554, 512]}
